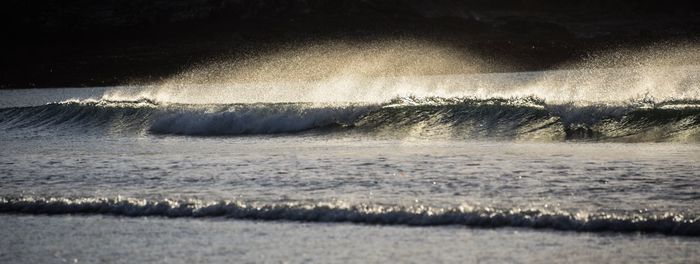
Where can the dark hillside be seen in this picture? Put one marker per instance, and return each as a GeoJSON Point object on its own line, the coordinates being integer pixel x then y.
{"type": "Point", "coordinates": [84, 43]}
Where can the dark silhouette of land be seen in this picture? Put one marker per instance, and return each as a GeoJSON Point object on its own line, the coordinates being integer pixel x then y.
{"type": "Point", "coordinates": [55, 43]}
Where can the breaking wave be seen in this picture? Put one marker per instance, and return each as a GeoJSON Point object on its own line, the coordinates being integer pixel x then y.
{"type": "Point", "coordinates": [525, 118]}
{"type": "Point", "coordinates": [668, 223]}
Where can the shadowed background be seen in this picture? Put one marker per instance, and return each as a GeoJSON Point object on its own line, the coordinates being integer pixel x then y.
{"type": "Point", "coordinates": [95, 43]}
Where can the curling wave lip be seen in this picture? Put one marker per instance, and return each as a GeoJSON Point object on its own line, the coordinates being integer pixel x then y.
{"type": "Point", "coordinates": [526, 118]}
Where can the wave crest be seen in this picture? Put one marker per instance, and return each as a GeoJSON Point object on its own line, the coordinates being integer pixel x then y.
{"type": "Point", "coordinates": [526, 118]}
{"type": "Point", "coordinates": [255, 119]}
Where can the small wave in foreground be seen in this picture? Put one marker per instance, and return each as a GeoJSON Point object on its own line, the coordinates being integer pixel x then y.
{"type": "Point", "coordinates": [669, 223]}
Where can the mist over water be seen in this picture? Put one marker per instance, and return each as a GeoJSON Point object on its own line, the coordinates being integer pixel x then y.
{"type": "Point", "coordinates": [407, 89]}
{"type": "Point", "coordinates": [401, 90]}
{"type": "Point", "coordinates": [377, 72]}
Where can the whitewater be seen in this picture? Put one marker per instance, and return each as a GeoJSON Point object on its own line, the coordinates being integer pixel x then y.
{"type": "Point", "coordinates": [589, 165]}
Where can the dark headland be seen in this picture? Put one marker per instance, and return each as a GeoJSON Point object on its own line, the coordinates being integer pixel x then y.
{"type": "Point", "coordinates": [52, 43]}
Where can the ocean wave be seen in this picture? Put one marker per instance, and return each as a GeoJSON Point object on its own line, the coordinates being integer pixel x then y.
{"type": "Point", "coordinates": [255, 119]}
{"type": "Point", "coordinates": [667, 223]}
{"type": "Point", "coordinates": [525, 118]}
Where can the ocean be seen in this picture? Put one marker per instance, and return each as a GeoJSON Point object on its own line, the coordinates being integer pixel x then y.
{"type": "Point", "coordinates": [506, 167]}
